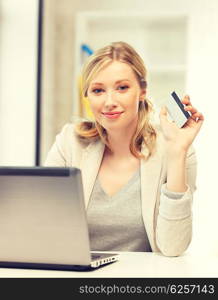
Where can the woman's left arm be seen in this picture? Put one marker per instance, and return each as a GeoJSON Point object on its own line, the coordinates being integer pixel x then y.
{"type": "Point", "coordinates": [174, 224]}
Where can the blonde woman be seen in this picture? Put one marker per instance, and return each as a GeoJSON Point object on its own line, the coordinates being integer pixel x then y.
{"type": "Point", "coordinates": [138, 178]}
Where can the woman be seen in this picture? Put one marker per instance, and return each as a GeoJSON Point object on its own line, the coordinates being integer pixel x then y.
{"type": "Point", "coordinates": [138, 178]}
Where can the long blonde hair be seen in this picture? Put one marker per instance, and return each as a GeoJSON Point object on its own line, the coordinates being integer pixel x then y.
{"type": "Point", "coordinates": [145, 133]}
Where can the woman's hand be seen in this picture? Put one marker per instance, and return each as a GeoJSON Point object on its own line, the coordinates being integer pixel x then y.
{"type": "Point", "coordinates": [181, 138]}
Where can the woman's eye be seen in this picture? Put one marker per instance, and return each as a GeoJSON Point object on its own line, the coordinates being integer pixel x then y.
{"type": "Point", "coordinates": [96, 91]}
{"type": "Point", "coordinates": [123, 87]}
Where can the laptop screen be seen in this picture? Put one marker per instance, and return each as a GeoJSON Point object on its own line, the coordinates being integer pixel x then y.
{"type": "Point", "coordinates": [42, 216]}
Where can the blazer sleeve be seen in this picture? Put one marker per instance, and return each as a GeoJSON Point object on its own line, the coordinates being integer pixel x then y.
{"type": "Point", "coordinates": [59, 154]}
{"type": "Point", "coordinates": [174, 221]}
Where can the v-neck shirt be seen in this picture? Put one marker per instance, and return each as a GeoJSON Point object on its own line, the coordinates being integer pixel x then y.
{"type": "Point", "coordinates": [115, 222]}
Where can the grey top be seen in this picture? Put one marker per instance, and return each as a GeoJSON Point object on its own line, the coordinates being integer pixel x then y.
{"type": "Point", "coordinates": [115, 222]}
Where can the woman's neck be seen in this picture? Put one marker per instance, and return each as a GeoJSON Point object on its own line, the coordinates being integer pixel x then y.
{"type": "Point", "coordinates": [119, 143]}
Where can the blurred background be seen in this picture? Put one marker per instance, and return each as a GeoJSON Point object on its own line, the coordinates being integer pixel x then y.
{"type": "Point", "coordinates": [43, 44]}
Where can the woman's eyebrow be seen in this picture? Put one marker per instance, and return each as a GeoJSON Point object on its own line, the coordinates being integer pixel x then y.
{"type": "Point", "coordinates": [99, 83]}
{"type": "Point", "coordinates": [122, 80]}
{"type": "Point", "coordinates": [118, 81]}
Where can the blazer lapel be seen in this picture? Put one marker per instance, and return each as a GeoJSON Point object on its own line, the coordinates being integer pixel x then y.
{"type": "Point", "coordinates": [91, 161]}
{"type": "Point", "coordinates": [150, 181]}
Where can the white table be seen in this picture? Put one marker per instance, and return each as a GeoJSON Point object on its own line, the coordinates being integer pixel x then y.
{"type": "Point", "coordinates": [136, 264]}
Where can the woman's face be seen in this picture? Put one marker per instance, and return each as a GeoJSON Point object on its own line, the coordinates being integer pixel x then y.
{"type": "Point", "coordinates": [114, 95]}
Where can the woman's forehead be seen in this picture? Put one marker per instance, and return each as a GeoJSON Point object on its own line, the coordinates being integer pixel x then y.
{"type": "Point", "coordinates": [116, 72]}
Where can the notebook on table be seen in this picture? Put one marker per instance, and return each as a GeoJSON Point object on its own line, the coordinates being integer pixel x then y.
{"type": "Point", "coordinates": [43, 221]}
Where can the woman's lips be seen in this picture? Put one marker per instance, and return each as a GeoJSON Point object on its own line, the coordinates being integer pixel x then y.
{"type": "Point", "coordinates": [112, 115]}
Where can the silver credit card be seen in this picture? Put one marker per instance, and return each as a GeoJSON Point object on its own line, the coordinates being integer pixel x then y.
{"type": "Point", "coordinates": [176, 110]}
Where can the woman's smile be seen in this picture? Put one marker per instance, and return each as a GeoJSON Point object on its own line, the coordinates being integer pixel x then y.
{"type": "Point", "coordinates": [112, 115]}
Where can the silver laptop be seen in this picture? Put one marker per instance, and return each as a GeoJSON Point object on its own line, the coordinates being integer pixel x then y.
{"type": "Point", "coordinates": [43, 220]}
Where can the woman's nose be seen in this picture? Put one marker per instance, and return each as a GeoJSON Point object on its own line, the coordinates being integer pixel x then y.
{"type": "Point", "coordinates": [110, 99]}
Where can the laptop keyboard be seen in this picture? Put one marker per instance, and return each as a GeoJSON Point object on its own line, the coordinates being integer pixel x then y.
{"type": "Point", "coordinates": [95, 256]}
{"type": "Point", "coordinates": [101, 255]}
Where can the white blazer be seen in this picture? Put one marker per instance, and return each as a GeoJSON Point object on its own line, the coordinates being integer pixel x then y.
{"type": "Point", "coordinates": [168, 221]}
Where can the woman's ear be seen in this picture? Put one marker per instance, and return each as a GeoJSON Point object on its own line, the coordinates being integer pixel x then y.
{"type": "Point", "coordinates": [142, 95]}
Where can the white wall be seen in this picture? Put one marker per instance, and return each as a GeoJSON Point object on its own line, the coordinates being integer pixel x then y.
{"type": "Point", "coordinates": [18, 70]}
{"type": "Point", "coordinates": [202, 86]}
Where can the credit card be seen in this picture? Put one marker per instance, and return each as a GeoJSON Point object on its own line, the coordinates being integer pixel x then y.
{"type": "Point", "coordinates": [176, 110]}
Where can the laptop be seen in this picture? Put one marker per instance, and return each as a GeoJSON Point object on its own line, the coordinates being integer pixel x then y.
{"type": "Point", "coordinates": [43, 221]}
